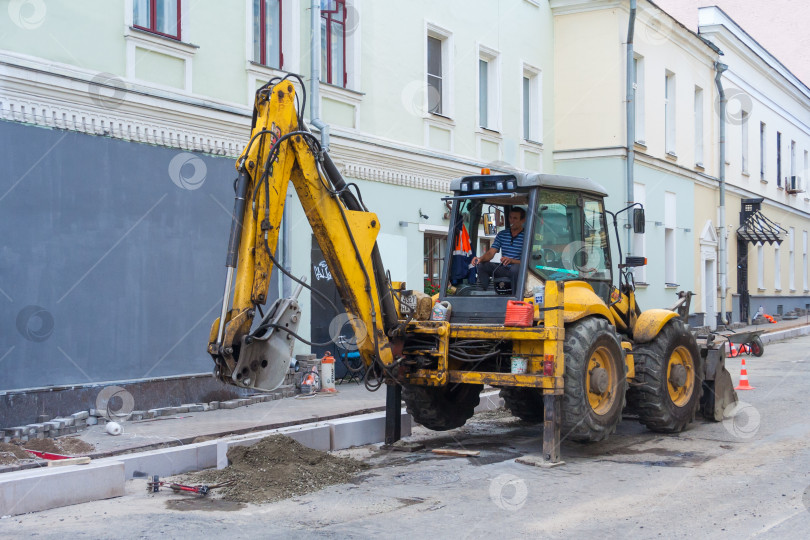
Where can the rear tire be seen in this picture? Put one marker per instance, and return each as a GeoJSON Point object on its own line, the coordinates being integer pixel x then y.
{"type": "Point", "coordinates": [663, 405]}
{"type": "Point", "coordinates": [757, 347]}
{"type": "Point", "coordinates": [524, 403]}
{"type": "Point", "coordinates": [589, 414]}
{"type": "Point", "coordinates": [441, 408]}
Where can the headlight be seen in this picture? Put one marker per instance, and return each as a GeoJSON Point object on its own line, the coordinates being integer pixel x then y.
{"type": "Point", "coordinates": [476, 185]}
{"type": "Point", "coordinates": [500, 186]}
{"type": "Point", "coordinates": [510, 185]}
{"type": "Point", "coordinates": [465, 186]}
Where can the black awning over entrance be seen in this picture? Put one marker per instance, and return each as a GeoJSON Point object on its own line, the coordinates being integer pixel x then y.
{"type": "Point", "coordinates": [759, 229]}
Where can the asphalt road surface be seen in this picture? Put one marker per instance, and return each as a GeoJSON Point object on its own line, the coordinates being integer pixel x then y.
{"type": "Point", "coordinates": [746, 477]}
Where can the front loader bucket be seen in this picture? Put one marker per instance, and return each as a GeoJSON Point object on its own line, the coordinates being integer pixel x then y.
{"type": "Point", "coordinates": [718, 390]}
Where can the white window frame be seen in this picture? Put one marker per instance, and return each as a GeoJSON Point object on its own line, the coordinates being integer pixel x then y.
{"type": "Point", "coordinates": [777, 269]}
{"type": "Point", "coordinates": [760, 267]}
{"type": "Point", "coordinates": [670, 240]}
{"type": "Point", "coordinates": [639, 239]}
{"type": "Point", "coordinates": [446, 39]}
{"type": "Point", "coordinates": [744, 115]}
{"type": "Point", "coordinates": [763, 163]}
{"type": "Point", "coordinates": [492, 58]}
{"type": "Point", "coordinates": [670, 117]}
{"type": "Point", "coordinates": [698, 126]}
{"type": "Point", "coordinates": [792, 258]}
{"type": "Point", "coordinates": [290, 44]}
{"type": "Point", "coordinates": [792, 166]}
{"type": "Point", "coordinates": [535, 77]}
{"type": "Point", "coordinates": [639, 87]}
{"type": "Point", "coordinates": [290, 48]}
{"type": "Point", "coordinates": [804, 260]}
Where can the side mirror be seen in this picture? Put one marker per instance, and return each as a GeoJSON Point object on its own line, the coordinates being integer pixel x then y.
{"type": "Point", "coordinates": [489, 224]}
{"type": "Point", "coordinates": [638, 220]}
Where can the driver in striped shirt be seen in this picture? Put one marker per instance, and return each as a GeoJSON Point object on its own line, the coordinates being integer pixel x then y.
{"type": "Point", "coordinates": [510, 243]}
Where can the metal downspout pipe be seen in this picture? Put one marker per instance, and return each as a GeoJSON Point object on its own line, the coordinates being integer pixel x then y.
{"type": "Point", "coordinates": [630, 104]}
{"type": "Point", "coordinates": [723, 252]}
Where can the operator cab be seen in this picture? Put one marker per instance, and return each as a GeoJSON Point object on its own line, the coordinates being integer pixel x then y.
{"type": "Point", "coordinates": [565, 239]}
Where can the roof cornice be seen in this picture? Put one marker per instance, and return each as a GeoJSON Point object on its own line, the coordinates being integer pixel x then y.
{"type": "Point", "coordinates": [713, 21]}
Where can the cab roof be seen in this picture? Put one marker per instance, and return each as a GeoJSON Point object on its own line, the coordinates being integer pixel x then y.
{"type": "Point", "coordinates": [529, 180]}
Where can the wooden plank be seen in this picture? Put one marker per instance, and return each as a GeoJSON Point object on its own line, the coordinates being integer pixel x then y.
{"type": "Point", "coordinates": [456, 452]}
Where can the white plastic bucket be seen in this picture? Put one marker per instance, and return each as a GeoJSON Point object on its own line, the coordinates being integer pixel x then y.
{"type": "Point", "coordinates": [519, 364]}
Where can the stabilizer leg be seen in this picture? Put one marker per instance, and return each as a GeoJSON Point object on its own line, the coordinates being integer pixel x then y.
{"type": "Point", "coordinates": [393, 413]}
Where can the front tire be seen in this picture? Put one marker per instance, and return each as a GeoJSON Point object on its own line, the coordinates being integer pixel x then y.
{"type": "Point", "coordinates": [442, 408]}
{"type": "Point", "coordinates": [669, 379]}
{"type": "Point", "coordinates": [595, 380]}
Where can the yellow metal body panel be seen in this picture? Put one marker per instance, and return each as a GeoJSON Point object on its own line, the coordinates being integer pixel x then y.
{"type": "Point", "coordinates": [581, 302]}
{"type": "Point", "coordinates": [650, 323]}
{"type": "Point", "coordinates": [628, 359]}
{"type": "Point", "coordinates": [538, 343]}
{"type": "Point", "coordinates": [625, 312]}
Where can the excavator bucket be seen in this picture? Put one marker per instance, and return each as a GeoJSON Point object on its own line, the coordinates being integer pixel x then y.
{"type": "Point", "coordinates": [264, 356]}
{"type": "Point", "coordinates": [718, 390]}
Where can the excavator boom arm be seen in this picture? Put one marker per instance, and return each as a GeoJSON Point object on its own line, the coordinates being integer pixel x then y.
{"type": "Point", "coordinates": [281, 151]}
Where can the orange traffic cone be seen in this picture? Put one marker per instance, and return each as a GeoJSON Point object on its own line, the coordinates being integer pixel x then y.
{"type": "Point", "coordinates": [743, 379]}
{"type": "Point", "coordinates": [732, 350]}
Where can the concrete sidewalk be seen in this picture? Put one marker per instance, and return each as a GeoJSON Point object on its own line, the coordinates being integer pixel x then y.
{"type": "Point", "coordinates": [184, 428]}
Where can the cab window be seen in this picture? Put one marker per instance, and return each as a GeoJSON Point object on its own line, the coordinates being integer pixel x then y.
{"type": "Point", "coordinates": [569, 239]}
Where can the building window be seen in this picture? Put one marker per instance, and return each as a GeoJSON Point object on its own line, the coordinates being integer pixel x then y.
{"type": "Point", "coordinates": [483, 92]}
{"type": "Point", "coordinates": [435, 250]}
{"type": "Point", "coordinates": [806, 164]}
{"type": "Point", "coordinates": [791, 259]}
{"type": "Point", "coordinates": [669, 113]}
{"type": "Point", "coordinates": [158, 16]}
{"type": "Point", "coordinates": [488, 90]}
{"type": "Point", "coordinates": [670, 253]}
{"type": "Point", "coordinates": [698, 126]}
{"type": "Point", "coordinates": [793, 183]}
{"type": "Point", "coordinates": [439, 79]}
{"type": "Point", "coordinates": [744, 142]}
{"type": "Point", "coordinates": [333, 40]}
{"type": "Point", "coordinates": [778, 159]}
{"type": "Point", "coordinates": [760, 267]}
{"type": "Point", "coordinates": [532, 117]}
{"type": "Point", "coordinates": [804, 260]}
{"type": "Point", "coordinates": [777, 269]}
{"type": "Point", "coordinates": [267, 33]}
{"type": "Point", "coordinates": [762, 150]}
{"type": "Point", "coordinates": [638, 86]}
{"type": "Point", "coordinates": [639, 248]}
{"type": "Point", "coordinates": [434, 75]}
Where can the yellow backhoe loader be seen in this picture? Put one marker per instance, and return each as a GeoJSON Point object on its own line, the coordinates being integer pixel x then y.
{"type": "Point", "coordinates": [584, 353]}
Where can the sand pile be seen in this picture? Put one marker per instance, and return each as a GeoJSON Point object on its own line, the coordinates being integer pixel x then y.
{"type": "Point", "coordinates": [276, 468]}
{"type": "Point", "coordinates": [11, 454]}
